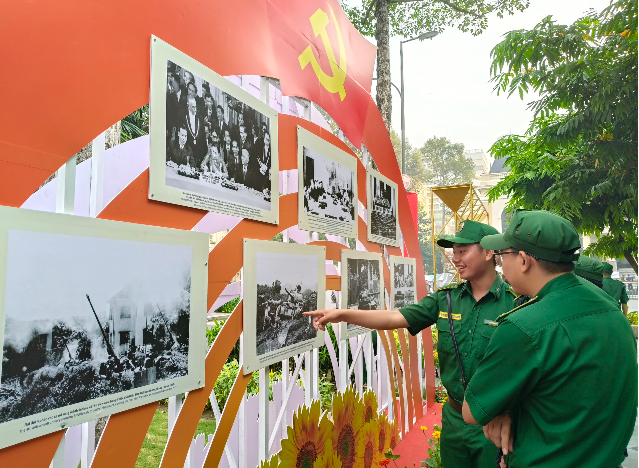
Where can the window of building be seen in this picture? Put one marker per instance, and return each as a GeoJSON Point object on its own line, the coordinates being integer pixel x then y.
{"type": "Point", "coordinates": [125, 312]}
{"type": "Point", "coordinates": [125, 337]}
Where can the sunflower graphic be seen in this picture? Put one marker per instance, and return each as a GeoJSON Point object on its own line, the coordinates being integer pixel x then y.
{"type": "Point", "coordinates": [272, 462]}
{"type": "Point", "coordinates": [370, 406]}
{"type": "Point", "coordinates": [348, 418]}
{"type": "Point", "coordinates": [306, 440]}
{"type": "Point", "coordinates": [384, 427]}
{"type": "Point", "coordinates": [366, 450]}
{"type": "Point", "coordinates": [394, 435]}
{"type": "Point", "coordinates": [329, 459]}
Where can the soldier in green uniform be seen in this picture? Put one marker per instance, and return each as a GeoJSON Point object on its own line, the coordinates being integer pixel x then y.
{"type": "Point", "coordinates": [615, 289]}
{"type": "Point", "coordinates": [589, 269]}
{"type": "Point", "coordinates": [562, 368]}
{"type": "Point", "coordinates": [474, 306]}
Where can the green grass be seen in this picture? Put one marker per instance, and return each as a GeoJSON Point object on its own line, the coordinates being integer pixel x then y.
{"type": "Point", "coordinates": [157, 435]}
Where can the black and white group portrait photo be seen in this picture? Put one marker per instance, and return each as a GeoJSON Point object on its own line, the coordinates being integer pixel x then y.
{"type": "Point", "coordinates": [362, 276]}
{"type": "Point", "coordinates": [87, 317]}
{"type": "Point", "coordinates": [382, 215]}
{"type": "Point", "coordinates": [286, 285]}
{"type": "Point", "coordinates": [327, 187]}
{"type": "Point", "coordinates": [403, 282]}
{"type": "Point", "coordinates": [216, 146]}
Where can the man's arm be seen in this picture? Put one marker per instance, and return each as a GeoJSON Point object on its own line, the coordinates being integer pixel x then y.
{"type": "Point", "coordinates": [373, 319]}
{"type": "Point", "coordinates": [624, 308]}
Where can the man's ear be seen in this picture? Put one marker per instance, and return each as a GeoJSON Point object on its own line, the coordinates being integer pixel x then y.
{"type": "Point", "coordinates": [526, 261]}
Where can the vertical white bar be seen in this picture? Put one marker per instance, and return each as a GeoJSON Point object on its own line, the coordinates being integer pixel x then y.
{"type": "Point", "coordinates": [420, 366]}
{"type": "Point", "coordinates": [263, 426]}
{"type": "Point", "coordinates": [65, 196]}
{"type": "Point", "coordinates": [368, 358]}
{"type": "Point", "coordinates": [307, 111]}
{"type": "Point", "coordinates": [88, 444]}
{"type": "Point", "coordinates": [308, 379]}
{"type": "Point", "coordinates": [359, 366]}
{"type": "Point", "coordinates": [343, 362]}
{"type": "Point", "coordinates": [285, 384]}
{"type": "Point", "coordinates": [380, 372]}
{"type": "Point", "coordinates": [315, 384]}
{"type": "Point", "coordinates": [175, 404]}
{"type": "Point", "coordinates": [241, 413]}
{"type": "Point", "coordinates": [97, 176]}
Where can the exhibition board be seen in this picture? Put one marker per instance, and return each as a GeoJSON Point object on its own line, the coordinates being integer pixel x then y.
{"type": "Point", "coordinates": [403, 290]}
{"type": "Point", "coordinates": [382, 212]}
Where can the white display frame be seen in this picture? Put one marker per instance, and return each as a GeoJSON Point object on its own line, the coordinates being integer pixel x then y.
{"type": "Point", "coordinates": [39, 222]}
{"type": "Point", "coordinates": [345, 331]}
{"type": "Point", "coordinates": [397, 260]}
{"type": "Point", "coordinates": [158, 190]}
{"type": "Point", "coordinates": [313, 222]}
{"type": "Point", "coordinates": [370, 175]}
{"type": "Point", "coordinates": [253, 361]}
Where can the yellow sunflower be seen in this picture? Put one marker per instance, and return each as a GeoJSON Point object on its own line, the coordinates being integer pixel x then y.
{"type": "Point", "coordinates": [366, 451]}
{"type": "Point", "coordinates": [383, 444]}
{"type": "Point", "coordinates": [370, 406]}
{"type": "Point", "coordinates": [348, 418]}
{"type": "Point", "coordinates": [272, 462]}
{"type": "Point", "coordinates": [329, 459]}
{"type": "Point", "coordinates": [306, 440]}
{"type": "Point", "coordinates": [394, 435]}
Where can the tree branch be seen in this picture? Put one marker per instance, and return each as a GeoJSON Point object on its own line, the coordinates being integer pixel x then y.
{"type": "Point", "coordinates": [368, 13]}
{"type": "Point", "coordinates": [447, 3]}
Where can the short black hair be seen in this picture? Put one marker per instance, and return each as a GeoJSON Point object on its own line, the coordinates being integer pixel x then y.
{"type": "Point", "coordinates": [554, 267]}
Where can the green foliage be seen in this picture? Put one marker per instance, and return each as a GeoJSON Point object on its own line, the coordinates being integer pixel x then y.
{"type": "Point", "coordinates": [228, 307]}
{"type": "Point", "coordinates": [135, 125]}
{"type": "Point", "coordinates": [578, 158]}
{"type": "Point", "coordinates": [446, 163]}
{"type": "Point", "coordinates": [409, 19]}
{"type": "Point", "coordinates": [632, 318]}
{"type": "Point", "coordinates": [434, 451]}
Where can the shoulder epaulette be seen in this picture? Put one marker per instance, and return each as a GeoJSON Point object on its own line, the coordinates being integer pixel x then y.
{"type": "Point", "coordinates": [450, 286]}
{"type": "Point", "coordinates": [516, 308]}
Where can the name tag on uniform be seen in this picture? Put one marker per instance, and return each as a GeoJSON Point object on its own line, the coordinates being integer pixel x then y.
{"type": "Point", "coordinates": [444, 315]}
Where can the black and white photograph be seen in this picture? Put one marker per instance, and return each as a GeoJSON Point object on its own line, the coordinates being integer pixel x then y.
{"type": "Point", "coordinates": [383, 224]}
{"type": "Point", "coordinates": [218, 146]}
{"type": "Point", "coordinates": [86, 318]}
{"type": "Point", "coordinates": [328, 187]}
{"type": "Point", "coordinates": [362, 286]}
{"type": "Point", "coordinates": [403, 287]}
{"type": "Point", "coordinates": [287, 282]}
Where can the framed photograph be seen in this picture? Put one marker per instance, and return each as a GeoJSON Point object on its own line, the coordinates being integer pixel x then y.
{"type": "Point", "coordinates": [279, 283]}
{"type": "Point", "coordinates": [403, 288]}
{"type": "Point", "coordinates": [213, 145]}
{"type": "Point", "coordinates": [327, 186]}
{"type": "Point", "coordinates": [383, 224]}
{"type": "Point", "coordinates": [362, 286]}
{"type": "Point", "coordinates": [96, 317]}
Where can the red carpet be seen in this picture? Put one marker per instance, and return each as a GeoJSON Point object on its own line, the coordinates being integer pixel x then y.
{"type": "Point", "coordinates": [413, 448]}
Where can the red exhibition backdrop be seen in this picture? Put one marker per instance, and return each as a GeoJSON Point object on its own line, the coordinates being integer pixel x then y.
{"type": "Point", "coordinates": [72, 69]}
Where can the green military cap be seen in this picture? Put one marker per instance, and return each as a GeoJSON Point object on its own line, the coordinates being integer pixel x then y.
{"type": "Point", "coordinates": [607, 267]}
{"type": "Point", "coordinates": [587, 267]}
{"type": "Point", "coordinates": [542, 234]}
{"type": "Point", "coordinates": [470, 232]}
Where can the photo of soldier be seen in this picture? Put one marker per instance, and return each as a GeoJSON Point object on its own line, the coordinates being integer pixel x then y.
{"type": "Point", "coordinates": [404, 282]}
{"type": "Point", "coordinates": [383, 216]}
{"type": "Point", "coordinates": [363, 277]}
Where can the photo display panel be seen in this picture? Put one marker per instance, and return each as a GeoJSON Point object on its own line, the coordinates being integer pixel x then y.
{"type": "Point", "coordinates": [96, 317]}
{"type": "Point", "coordinates": [280, 282]}
{"type": "Point", "coordinates": [327, 186]}
{"type": "Point", "coordinates": [383, 223]}
{"type": "Point", "coordinates": [362, 286]}
{"type": "Point", "coordinates": [213, 145]}
{"type": "Point", "coordinates": [403, 286]}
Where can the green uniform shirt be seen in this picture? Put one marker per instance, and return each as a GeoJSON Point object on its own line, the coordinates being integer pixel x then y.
{"type": "Point", "coordinates": [616, 290]}
{"type": "Point", "coordinates": [468, 322]}
{"type": "Point", "coordinates": [565, 364]}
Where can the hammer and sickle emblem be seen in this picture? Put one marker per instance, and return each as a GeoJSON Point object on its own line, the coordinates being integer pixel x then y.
{"type": "Point", "coordinates": [335, 83]}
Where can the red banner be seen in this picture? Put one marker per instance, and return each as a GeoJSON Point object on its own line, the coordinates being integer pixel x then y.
{"type": "Point", "coordinates": [322, 57]}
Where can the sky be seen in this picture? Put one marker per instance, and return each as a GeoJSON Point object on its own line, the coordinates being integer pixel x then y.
{"type": "Point", "coordinates": [277, 265]}
{"type": "Point", "coordinates": [446, 80]}
{"type": "Point", "coordinates": [49, 275]}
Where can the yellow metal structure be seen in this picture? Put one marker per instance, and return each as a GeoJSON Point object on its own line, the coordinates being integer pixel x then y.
{"type": "Point", "coordinates": [465, 204]}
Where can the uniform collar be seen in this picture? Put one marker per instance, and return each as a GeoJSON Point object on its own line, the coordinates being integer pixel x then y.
{"type": "Point", "coordinates": [565, 281]}
{"type": "Point", "coordinates": [495, 289]}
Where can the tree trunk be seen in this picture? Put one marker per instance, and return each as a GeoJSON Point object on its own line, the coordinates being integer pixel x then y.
{"type": "Point", "coordinates": [627, 254]}
{"type": "Point", "coordinates": [382, 35]}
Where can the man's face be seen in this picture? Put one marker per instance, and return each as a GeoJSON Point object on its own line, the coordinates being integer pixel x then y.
{"type": "Point", "coordinates": [471, 261]}
{"type": "Point", "coordinates": [188, 77]}
{"type": "Point", "coordinates": [243, 134]}
{"type": "Point", "coordinates": [219, 114]}
{"type": "Point", "coordinates": [192, 106]}
{"type": "Point", "coordinates": [235, 148]}
{"type": "Point", "coordinates": [510, 267]}
{"type": "Point", "coordinates": [191, 90]}
{"type": "Point", "coordinates": [182, 137]}
{"type": "Point", "coordinates": [264, 129]}
{"type": "Point", "coordinates": [240, 119]}
{"type": "Point", "coordinates": [208, 102]}
{"type": "Point", "coordinates": [215, 138]}
{"type": "Point", "coordinates": [267, 140]}
{"type": "Point", "coordinates": [227, 137]}
{"type": "Point", "coordinates": [245, 157]}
